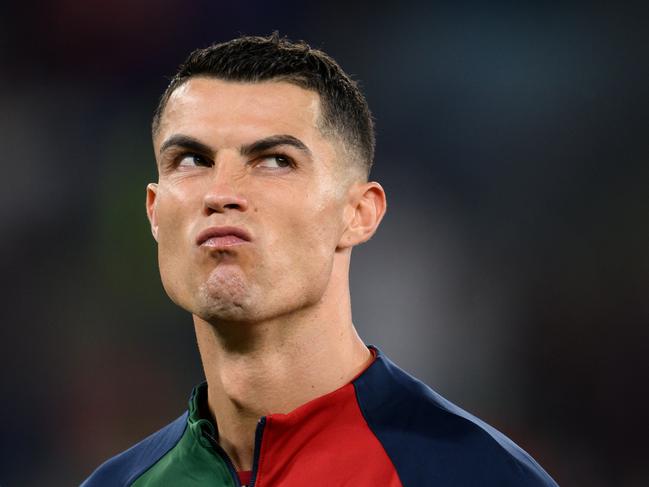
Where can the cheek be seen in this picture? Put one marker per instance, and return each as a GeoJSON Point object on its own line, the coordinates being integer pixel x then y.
{"type": "Point", "coordinates": [311, 230]}
{"type": "Point", "coordinates": [174, 246]}
{"type": "Point", "coordinates": [172, 210]}
{"type": "Point", "coordinates": [172, 229]}
{"type": "Point", "coordinates": [326, 221]}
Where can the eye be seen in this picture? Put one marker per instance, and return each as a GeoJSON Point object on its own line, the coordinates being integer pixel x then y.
{"type": "Point", "coordinates": [275, 161]}
{"type": "Point", "coordinates": [188, 160]}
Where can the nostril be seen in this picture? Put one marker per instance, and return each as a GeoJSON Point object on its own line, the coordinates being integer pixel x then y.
{"type": "Point", "coordinates": [224, 201]}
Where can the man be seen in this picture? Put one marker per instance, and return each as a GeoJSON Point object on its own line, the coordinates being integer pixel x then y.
{"type": "Point", "coordinates": [263, 149]}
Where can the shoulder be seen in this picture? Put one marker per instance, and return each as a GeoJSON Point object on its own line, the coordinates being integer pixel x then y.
{"type": "Point", "coordinates": [431, 441]}
{"type": "Point", "coordinates": [123, 469]}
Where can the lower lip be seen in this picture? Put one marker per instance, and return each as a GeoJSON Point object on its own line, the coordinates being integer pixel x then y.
{"type": "Point", "coordinates": [225, 241]}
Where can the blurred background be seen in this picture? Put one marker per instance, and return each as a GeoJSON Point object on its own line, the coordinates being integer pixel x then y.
{"type": "Point", "coordinates": [511, 273]}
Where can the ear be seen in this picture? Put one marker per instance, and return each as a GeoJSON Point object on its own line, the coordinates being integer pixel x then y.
{"type": "Point", "coordinates": [151, 194]}
{"type": "Point", "coordinates": [364, 213]}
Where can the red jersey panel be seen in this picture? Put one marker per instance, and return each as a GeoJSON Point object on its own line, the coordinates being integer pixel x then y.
{"type": "Point", "coordinates": [323, 443]}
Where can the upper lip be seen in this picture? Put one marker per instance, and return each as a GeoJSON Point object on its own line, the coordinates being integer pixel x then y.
{"type": "Point", "coordinates": [214, 232]}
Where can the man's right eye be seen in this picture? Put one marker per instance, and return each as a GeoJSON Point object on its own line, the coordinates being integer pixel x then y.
{"type": "Point", "coordinates": [189, 160]}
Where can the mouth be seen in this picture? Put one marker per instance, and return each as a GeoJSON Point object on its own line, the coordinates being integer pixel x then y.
{"type": "Point", "coordinates": [222, 237]}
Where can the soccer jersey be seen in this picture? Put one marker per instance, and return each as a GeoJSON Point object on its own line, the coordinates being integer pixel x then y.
{"type": "Point", "coordinates": [385, 428]}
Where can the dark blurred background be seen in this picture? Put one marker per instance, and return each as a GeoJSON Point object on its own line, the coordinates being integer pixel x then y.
{"type": "Point", "coordinates": [511, 272]}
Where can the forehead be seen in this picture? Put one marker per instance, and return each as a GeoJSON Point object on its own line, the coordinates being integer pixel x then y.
{"type": "Point", "coordinates": [208, 107]}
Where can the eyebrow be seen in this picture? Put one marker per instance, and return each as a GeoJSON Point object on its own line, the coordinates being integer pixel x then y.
{"type": "Point", "coordinates": [186, 142]}
{"type": "Point", "coordinates": [273, 141]}
{"type": "Point", "coordinates": [261, 145]}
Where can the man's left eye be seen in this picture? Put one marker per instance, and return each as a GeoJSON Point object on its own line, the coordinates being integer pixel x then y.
{"type": "Point", "coordinates": [275, 161]}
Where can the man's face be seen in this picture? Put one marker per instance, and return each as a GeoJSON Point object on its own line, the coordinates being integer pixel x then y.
{"type": "Point", "coordinates": [249, 208]}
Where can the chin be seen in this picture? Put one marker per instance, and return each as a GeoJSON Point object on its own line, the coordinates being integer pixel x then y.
{"type": "Point", "coordinates": [223, 297]}
{"type": "Point", "coordinates": [222, 312]}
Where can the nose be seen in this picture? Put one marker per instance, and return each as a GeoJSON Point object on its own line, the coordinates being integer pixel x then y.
{"type": "Point", "coordinates": [222, 194]}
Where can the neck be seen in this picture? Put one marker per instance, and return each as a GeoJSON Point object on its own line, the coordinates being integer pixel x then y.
{"type": "Point", "coordinates": [282, 364]}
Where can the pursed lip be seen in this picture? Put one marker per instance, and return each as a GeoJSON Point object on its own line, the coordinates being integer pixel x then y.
{"type": "Point", "coordinates": [223, 236]}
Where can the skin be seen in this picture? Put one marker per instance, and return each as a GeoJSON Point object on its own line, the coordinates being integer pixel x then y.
{"type": "Point", "coordinates": [272, 315]}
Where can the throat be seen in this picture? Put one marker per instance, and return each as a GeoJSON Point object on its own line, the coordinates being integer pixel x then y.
{"type": "Point", "coordinates": [273, 377]}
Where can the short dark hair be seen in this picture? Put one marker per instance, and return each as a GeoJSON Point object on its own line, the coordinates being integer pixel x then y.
{"type": "Point", "coordinates": [345, 112]}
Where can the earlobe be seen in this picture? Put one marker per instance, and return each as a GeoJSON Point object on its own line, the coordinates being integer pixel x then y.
{"type": "Point", "coordinates": [367, 209]}
{"type": "Point", "coordinates": [151, 194]}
